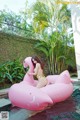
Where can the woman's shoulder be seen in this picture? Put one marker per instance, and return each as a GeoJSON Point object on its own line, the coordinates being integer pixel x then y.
{"type": "Point", "coordinates": [38, 64]}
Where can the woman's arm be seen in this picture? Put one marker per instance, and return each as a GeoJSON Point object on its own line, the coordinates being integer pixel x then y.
{"type": "Point", "coordinates": [31, 73]}
{"type": "Point", "coordinates": [36, 70]}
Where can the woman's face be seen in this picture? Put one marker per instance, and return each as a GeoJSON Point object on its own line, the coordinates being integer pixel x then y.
{"type": "Point", "coordinates": [34, 61]}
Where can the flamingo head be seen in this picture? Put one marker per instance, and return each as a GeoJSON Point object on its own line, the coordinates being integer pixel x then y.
{"type": "Point", "coordinates": [28, 63]}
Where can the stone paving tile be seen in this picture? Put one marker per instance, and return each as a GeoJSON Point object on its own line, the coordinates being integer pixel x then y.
{"type": "Point", "coordinates": [21, 114]}
{"type": "Point", "coordinates": [4, 102]}
{"type": "Point", "coordinates": [4, 91]}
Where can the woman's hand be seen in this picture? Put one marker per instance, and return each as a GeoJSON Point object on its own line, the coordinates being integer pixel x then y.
{"type": "Point", "coordinates": [29, 73]}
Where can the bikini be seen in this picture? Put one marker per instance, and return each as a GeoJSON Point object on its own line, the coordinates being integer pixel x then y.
{"type": "Point", "coordinates": [42, 80]}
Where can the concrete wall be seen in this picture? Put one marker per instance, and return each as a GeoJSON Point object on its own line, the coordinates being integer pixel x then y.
{"type": "Point", "coordinates": [75, 13]}
{"type": "Point", "coordinates": [12, 47]}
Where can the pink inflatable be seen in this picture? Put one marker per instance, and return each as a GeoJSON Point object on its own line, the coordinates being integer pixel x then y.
{"type": "Point", "coordinates": [26, 95]}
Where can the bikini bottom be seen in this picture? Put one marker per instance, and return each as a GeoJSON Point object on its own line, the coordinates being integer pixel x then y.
{"type": "Point", "coordinates": [42, 81]}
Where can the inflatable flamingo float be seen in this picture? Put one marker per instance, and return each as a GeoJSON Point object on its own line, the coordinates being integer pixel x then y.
{"type": "Point", "coordinates": [26, 95]}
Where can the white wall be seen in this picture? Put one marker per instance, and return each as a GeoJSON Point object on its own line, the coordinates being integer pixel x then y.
{"type": "Point", "coordinates": [75, 16]}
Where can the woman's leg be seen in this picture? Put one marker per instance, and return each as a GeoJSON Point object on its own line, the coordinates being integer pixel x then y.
{"type": "Point", "coordinates": [42, 82]}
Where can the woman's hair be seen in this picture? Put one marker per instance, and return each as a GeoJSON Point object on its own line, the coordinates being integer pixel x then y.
{"type": "Point", "coordinates": [38, 60]}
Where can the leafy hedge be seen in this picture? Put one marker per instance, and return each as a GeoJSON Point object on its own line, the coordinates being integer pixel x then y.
{"type": "Point", "coordinates": [11, 72]}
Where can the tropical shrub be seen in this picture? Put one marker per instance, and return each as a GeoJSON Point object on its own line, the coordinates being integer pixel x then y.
{"type": "Point", "coordinates": [11, 72]}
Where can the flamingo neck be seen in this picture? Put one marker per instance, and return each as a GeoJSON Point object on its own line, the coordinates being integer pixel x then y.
{"type": "Point", "coordinates": [29, 78]}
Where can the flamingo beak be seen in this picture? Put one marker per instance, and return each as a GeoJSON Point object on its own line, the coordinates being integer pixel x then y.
{"type": "Point", "coordinates": [25, 69]}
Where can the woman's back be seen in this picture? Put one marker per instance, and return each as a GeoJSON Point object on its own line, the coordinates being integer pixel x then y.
{"type": "Point", "coordinates": [38, 70]}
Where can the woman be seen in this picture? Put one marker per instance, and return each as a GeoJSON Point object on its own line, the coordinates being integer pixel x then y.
{"type": "Point", "coordinates": [38, 72]}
